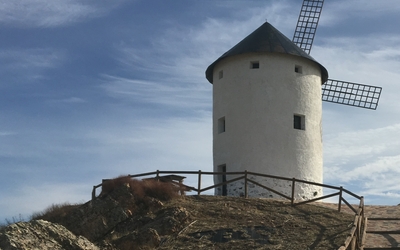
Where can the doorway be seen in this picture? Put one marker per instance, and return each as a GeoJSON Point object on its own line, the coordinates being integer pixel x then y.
{"type": "Point", "coordinates": [222, 168]}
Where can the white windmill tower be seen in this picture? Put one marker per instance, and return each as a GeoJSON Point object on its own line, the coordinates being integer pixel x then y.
{"type": "Point", "coordinates": [267, 107]}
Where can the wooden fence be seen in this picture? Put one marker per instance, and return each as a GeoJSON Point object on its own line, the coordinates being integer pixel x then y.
{"type": "Point", "coordinates": [355, 239]}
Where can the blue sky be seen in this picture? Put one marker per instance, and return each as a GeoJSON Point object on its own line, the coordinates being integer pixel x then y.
{"type": "Point", "coordinates": [95, 89]}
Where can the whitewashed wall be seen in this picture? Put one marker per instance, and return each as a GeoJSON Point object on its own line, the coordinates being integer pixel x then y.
{"type": "Point", "coordinates": [258, 106]}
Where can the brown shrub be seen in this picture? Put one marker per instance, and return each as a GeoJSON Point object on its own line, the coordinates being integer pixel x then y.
{"type": "Point", "coordinates": [163, 191]}
{"type": "Point", "coordinates": [137, 189]}
{"type": "Point", "coordinates": [143, 188]}
{"type": "Point", "coordinates": [109, 185]}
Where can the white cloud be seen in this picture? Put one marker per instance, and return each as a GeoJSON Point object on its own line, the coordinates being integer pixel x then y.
{"type": "Point", "coordinates": [363, 143]}
{"type": "Point", "coordinates": [377, 170]}
{"type": "Point", "coordinates": [367, 160]}
{"type": "Point", "coordinates": [50, 13]}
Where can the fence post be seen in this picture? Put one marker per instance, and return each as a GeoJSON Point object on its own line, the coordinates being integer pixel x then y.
{"type": "Point", "coordinates": [199, 183]}
{"type": "Point", "coordinates": [358, 240]}
{"type": "Point", "coordinates": [293, 183]}
{"type": "Point", "coordinates": [353, 243]}
{"type": "Point", "coordinates": [340, 199]}
{"type": "Point", "coordinates": [158, 175]}
{"type": "Point", "coordinates": [94, 193]}
{"type": "Point", "coordinates": [245, 184]}
{"type": "Point", "coordinates": [361, 224]}
{"type": "Point", "coordinates": [362, 205]}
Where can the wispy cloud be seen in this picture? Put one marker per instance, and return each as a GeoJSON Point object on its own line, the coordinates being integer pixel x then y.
{"type": "Point", "coordinates": [378, 56]}
{"type": "Point", "coordinates": [30, 58]}
{"type": "Point", "coordinates": [29, 63]}
{"type": "Point", "coordinates": [6, 133]}
{"type": "Point", "coordinates": [362, 143]}
{"type": "Point", "coordinates": [70, 100]}
{"type": "Point", "coordinates": [342, 11]}
{"type": "Point", "coordinates": [377, 170]}
{"type": "Point", "coordinates": [164, 93]}
{"type": "Point", "coordinates": [365, 157]}
{"type": "Point", "coordinates": [175, 60]}
{"type": "Point", "coordinates": [180, 51]}
{"type": "Point", "coordinates": [50, 13]}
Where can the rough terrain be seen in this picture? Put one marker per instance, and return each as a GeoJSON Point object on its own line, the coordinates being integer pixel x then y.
{"type": "Point", "coordinates": [125, 219]}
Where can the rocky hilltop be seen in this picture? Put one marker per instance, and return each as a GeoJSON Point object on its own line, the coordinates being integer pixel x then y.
{"type": "Point", "coordinates": [133, 214]}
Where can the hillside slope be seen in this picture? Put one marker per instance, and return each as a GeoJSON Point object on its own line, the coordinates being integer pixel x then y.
{"type": "Point", "coordinates": [122, 219]}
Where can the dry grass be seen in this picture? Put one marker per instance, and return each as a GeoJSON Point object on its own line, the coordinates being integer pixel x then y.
{"type": "Point", "coordinates": [142, 189]}
{"type": "Point", "coordinates": [238, 223]}
{"type": "Point", "coordinates": [54, 211]}
{"type": "Point", "coordinates": [13, 220]}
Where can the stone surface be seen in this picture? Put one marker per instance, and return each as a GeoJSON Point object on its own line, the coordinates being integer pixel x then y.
{"type": "Point", "coordinates": [117, 220]}
{"type": "Point", "coordinates": [144, 239]}
{"type": "Point", "coordinates": [39, 234]}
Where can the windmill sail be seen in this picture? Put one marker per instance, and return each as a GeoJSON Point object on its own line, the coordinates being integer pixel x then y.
{"type": "Point", "coordinates": [341, 92]}
{"type": "Point", "coordinates": [307, 24]}
{"type": "Point", "coordinates": [352, 94]}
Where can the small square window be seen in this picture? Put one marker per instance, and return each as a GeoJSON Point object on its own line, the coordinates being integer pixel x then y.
{"type": "Point", "coordinates": [299, 122]}
{"type": "Point", "coordinates": [255, 65]}
{"type": "Point", "coordinates": [221, 125]}
{"type": "Point", "coordinates": [298, 69]}
{"type": "Point", "coordinates": [221, 74]}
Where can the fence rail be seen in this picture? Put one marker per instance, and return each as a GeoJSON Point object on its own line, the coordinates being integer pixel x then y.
{"type": "Point", "coordinates": [355, 239]}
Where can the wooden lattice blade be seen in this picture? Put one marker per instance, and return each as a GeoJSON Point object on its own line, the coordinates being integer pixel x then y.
{"type": "Point", "coordinates": [352, 94]}
{"type": "Point", "coordinates": [307, 24]}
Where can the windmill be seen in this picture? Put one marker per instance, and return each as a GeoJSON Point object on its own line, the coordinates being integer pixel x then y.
{"type": "Point", "coordinates": [267, 108]}
{"type": "Point", "coordinates": [336, 91]}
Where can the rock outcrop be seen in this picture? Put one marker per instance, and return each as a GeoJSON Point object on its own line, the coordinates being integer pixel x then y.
{"type": "Point", "coordinates": [98, 217]}
{"type": "Point", "coordinates": [116, 220]}
{"type": "Point", "coordinates": [121, 220]}
{"type": "Point", "coordinates": [44, 235]}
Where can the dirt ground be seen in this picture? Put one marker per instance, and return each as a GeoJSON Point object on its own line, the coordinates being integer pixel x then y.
{"type": "Point", "coordinates": [238, 223]}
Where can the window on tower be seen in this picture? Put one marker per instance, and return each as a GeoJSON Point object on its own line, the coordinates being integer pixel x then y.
{"type": "Point", "coordinates": [255, 65]}
{"type": "Point", "coordinates": [299, 122]}
{"type": "Point", "coordinates": [298, 69]}
{"type": "Point", "coordinates": [221, 125]}
{"type": "Point", "coordinates": [221, 74]}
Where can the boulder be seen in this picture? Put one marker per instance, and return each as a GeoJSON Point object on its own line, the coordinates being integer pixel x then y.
{"type": "Point", "coordinates": [40, 234]}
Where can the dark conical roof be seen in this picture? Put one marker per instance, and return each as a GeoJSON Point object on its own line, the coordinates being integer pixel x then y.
{"type": "Point", "coordinates": [265, 39]}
